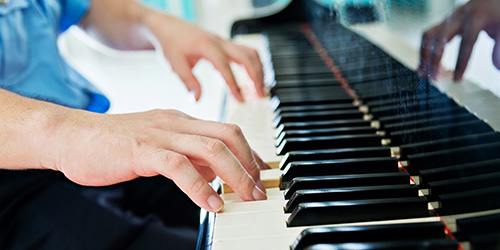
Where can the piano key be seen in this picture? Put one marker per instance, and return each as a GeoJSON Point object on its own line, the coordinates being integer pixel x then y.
{"type": "Point", "coordinates": [286, 134]}
{"type": "Point", "coordinates": [478, 225]}
{"type": "Point", "coordinates": [338, 181]}
{"type": "Point", "coordinates": [469, 201]}
{"type": "Point", "coordinates": [446, 119]}
{"type": "Point", "coordinates": [313, 101]}
{"type": "Point", "coordinates": [427, 114]}
{"type": "Point", "coordinates": [318, 116]}
{"type": "Point", "coordinates": [323, 124]}
{"type": "Point", "coordinates": [320, 213]}
{"type": "Point", "coordinates": [338, 167]}
{"type": "Point", "coordinates": [373, 233]}
{"type": "Point", "coordinates": [455, 156]}
{"type": "Point", "coordinates": [433, 244]}
{"type": "Point", "coordinates": [340, 106]}
{"type": "Point", "coordinates": [329, 154]}
{"type": "Point", "coordinates": [395, 109]}
{"type": "Point", "coordinates": [406, 136]}
{"type": "Point", "coordinates": [351, 193]}
{"type": "Point", "coordinates": [446, 143]}
{"type": "Point", "coordinates": [460, 170]}
{"type": "Point", "coordinates": [464, 184]}
{"type": "Point", "coordinates": [329, 142]}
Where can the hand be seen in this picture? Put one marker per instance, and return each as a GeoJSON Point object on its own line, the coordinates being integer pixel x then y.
{"type": "Point", "coordinates": [184, 44]}
{"type": "Point", "coordinates": [467, 21]}
{"type": "Point", "coordinates": [96, 150]}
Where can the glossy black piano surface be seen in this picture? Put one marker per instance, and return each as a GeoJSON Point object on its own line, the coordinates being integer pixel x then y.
{"type": "Point", "coordinates": [332, 156]}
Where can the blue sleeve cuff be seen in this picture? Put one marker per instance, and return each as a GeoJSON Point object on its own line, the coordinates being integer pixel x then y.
{"type": "Point", "coordinates": [98, 104]}
{"type": "Point", "coordinates": [72, 12]}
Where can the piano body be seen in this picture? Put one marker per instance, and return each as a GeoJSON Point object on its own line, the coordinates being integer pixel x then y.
{"type": "Point", "coordinates": [367, 154]}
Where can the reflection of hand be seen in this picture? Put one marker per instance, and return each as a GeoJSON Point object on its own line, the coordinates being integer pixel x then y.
{"type": "Point", "coordinates": [184, 44]}
{"type": "Point", "coordinates": [95, 150]}
{"type": "Point", "coordinates": [467, 21]}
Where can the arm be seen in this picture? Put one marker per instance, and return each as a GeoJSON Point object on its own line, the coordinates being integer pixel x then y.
{"type": "Point", "coordinates": [467, 21]}
{"type": "Point", "coordinates": [127, 24]}
{"type": "Point", "coordinates": [98, 149]}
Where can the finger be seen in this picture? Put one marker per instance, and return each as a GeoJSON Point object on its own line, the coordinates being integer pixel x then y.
{"type": "Point", "coordinates": [449, 30]}
{"type": "Point", "coordinates": [218, 58]}
{"type": "Point", "coordinates": [250, 59]}
{"type": "Point", "coordinates": [216, 154]}
{"type": "Point", "coordinates": [260, 162]}
{"type": "Point", "coordinates": [496, 53]}
{"type": "Point", "coordinates": [183, 68]}
{"type": "Point", "coordinates": [178, 168]}
{"type": "Point", "coordinates": [469, 36]}
{"type": "Point", "coordinates": [425, 50]}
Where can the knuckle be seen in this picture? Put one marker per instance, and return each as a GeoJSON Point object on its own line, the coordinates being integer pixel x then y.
{"type": "Point", "coordinates": [214, 147]}
{"type": "Point", "coordinates": [233, 131]}
{"type": "Point", "coordinates": [175, 161]}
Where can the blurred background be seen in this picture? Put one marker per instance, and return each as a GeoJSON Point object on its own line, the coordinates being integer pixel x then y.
{"type": "Point", "coordinates": [141, 80]}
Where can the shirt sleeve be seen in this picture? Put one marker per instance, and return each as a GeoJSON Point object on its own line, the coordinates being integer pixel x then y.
{"type": "Point", "coordinates": [72, 12]}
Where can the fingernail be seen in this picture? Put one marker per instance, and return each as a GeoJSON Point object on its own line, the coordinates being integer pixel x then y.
{"type": "Point", "coordinates": [216, 203]}
{"type": "Point", "coordinates": [258, 194]}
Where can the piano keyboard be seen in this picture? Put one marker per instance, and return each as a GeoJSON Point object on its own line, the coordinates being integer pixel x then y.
{"type": "Point", "coordinates": [371, 156]}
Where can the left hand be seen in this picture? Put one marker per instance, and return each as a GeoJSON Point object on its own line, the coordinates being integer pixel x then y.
{"type": "Point", "coordinates": [184, 44]}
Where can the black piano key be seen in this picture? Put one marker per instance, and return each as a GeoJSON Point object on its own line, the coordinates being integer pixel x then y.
{"type": "Point", "coordinates": [433, 244]}
{"type": "Point", "coordinates": [329, 142]}
{"type": "Point", "coordinates": [305, 81]}
{"type": "Point", "coordinates": [338, 167]}
{"type": "Point", "coordinates": [321, 213]}
{"type": "Point", "coordinates": [313, 101]}
{"type": "Point", "coordinates": [318, 116]}
{"type": "Point", "coordinates": [399, 108]}
{"type": "Point", "coordinates": [446, 143]}
{"type": "Point", "coordinates": [299, 80]}
{"type": "Point", "coordinates": [486, 241]}
{"type": "Point", "coordinates": [460, 170]}
{"type": "Point", "coordinates": [350, 193]}
{"type": "Point", "coordinates": [403, 99]}
{"type": "Point", "coordinates": [323, 124]}
{"type": "Point", "coordinates": [469, 201]}
{"type": "Point", "coordinates": [427, 114]}
{"type": "Point", "coordinates": [309, 91]}
{"type": "Point", "coordinates": [477, 225]}
{"type": "Point", "coordinates": [302, 70]}
{"type": "Point", "coordinates": [455, 156]}
{"type": "Point", "coordinates": [329, 154]}
{"type": "Point", "coordinates": [324, 132]}
{"type": "Point", "coordinates": [464, 184]}
{"type": "Point", "coordinates": [338, 181]}
{"type": "Point", "coordinates": [438, 132]}
{"type": "Point", "coordinates": [340, 106]}
{"type": "Point", "coordinates": [427, 122]}
{"type": "Point", "coordinates": [369, 233]}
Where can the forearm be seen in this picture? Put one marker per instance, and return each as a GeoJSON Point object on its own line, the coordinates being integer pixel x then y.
{"type": "Point", "coordinates": [119, 24]}
{"type": "Point", "coordinates": [26, 127]}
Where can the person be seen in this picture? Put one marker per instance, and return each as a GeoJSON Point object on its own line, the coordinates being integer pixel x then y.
{"type": "Point", "coordinates": [467, 21]}
{"type": "Point", "coordinates": [74, 178]}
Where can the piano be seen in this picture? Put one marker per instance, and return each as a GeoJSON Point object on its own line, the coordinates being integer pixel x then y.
{"type": "Point", "coordinates": [367, 154]}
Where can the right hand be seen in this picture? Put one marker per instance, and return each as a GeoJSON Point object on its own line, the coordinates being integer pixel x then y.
{"type": "Point", "coordinates": [467, 21]}
{"type": "Point", "coordinates": [98, 149]}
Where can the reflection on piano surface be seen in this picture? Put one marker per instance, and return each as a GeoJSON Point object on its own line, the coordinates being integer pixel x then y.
{"type": "Point", "coordinates": [374, 157]}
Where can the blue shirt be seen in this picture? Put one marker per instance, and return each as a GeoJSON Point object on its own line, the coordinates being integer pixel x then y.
{"type": "Point", "coordinates": [30, 62]}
